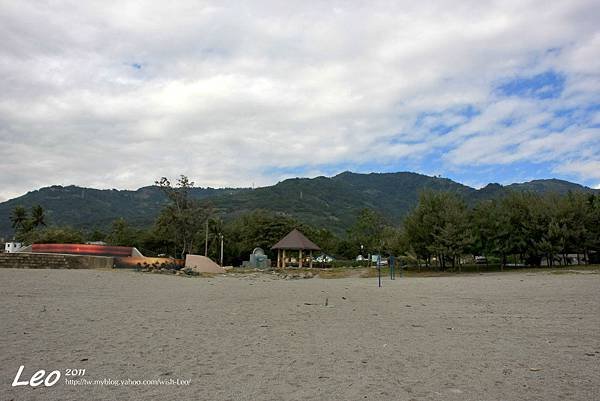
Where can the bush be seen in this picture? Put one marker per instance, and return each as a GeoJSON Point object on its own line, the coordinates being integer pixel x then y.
{"type": "Point", "coordinates": [54, 235]}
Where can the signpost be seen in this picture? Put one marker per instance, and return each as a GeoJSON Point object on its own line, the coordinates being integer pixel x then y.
{"type": "Point", "coordinates": [379, 268]}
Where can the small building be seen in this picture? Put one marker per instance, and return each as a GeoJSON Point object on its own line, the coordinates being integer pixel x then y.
{"type": "Point", "coordinates": [12, 247]}
{"type": "Point", "coordinates": [258, 260]}
{"type": "Point", "coordinates": [295, 241]}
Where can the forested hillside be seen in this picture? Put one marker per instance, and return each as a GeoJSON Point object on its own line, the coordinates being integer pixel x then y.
{"type": "Point", "coordinates": [331, 203]}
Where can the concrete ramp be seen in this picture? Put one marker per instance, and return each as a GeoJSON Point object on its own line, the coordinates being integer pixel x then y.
{"type": "Point", "coordinates": [202, 264]}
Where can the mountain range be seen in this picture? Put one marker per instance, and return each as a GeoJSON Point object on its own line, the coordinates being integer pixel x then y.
{"type": "Point", "coordinates": [331, 202]}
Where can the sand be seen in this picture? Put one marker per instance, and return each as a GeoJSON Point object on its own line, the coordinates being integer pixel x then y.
{"type": "Point", "coordinates": [511, 336]}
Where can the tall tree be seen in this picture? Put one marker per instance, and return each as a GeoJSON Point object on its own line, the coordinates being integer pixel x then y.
{"type": "Point", "coordinates": [122, 234]}
{"type": "Point", "coordinates": [19, 218]}
{"type": "Point", "coordinates": [368, 231]}
{"type": "Point", "coordinates": [439, 226]}
{"type": "Point", "coordinates": [38, 216]}
{"type": "Point", "coordinates": [183, 217]}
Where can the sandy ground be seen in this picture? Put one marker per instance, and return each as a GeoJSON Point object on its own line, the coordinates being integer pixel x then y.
{"type": "Point", "coordinates": [511, 336]}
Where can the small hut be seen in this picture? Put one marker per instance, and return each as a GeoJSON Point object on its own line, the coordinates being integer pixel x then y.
{"type": "Point", "coordinates": [294, 241]}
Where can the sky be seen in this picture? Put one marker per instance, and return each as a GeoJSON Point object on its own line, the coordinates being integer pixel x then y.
{"type": "Point", "coordinates": [118, 94]}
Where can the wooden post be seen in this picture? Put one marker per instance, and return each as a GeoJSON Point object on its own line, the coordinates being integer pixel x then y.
{"type": "Point", "coordinates": [278, 258]}
{"type": "Point", "coordinates": [283, 260]}
{"type": "Point", "coordinates": [300, 259]}
{"type": "Point", "coordinates": [310, 262]}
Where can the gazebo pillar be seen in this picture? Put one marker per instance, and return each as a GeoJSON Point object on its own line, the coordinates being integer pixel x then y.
{"type": "Point", "coordinates": [310, 261]}
{"type": "Point", "coordinates": [300, 258]}
{"type": "Point", "coordinates": [278, 258]}
{"type": "Point", "coordinates": [283, 259]}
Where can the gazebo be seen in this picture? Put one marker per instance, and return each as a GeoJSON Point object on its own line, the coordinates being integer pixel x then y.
{"type": "Point", "coordinates": [294, 241]}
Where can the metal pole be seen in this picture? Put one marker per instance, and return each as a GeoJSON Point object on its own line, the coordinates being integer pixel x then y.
{"type": "Point", "coordinates": [206, 240]}
{"type": "Point", "coordinates": [379, 269]}
{"type": "Point", "coordinates": [221, 235]}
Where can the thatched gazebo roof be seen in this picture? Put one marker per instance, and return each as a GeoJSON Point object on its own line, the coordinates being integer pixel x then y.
{"type": "Point", "coordinates": [296, 241]}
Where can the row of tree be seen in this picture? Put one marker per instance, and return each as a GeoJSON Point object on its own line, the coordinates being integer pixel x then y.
{"type": "Point", "coordinates": [441, 231]}
{"type": "Point", "coordinates": [525, 227]}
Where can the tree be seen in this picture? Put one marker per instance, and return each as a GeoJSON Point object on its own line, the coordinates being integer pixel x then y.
{"type": "Point", "coordinates": [122, 234]}
{"type": "Point", "coordinates": [326, 240]}
{"type": "Point", "coordinates": [258, 228]}
{"type": "Point", "coordinates": [23, 224]}
{"type": "Point", "coordinates": [38, 217]}
{"type": "Point", "coordinates": [53, 235]}
{"type": "Point", "coordinates": [19, 218]}
{"type": "Point", "coordinates": [216, 229]}
{"type": "Point", "coordinates": [419, 233]}
{"type": "Point", "coordinates": [439, 226]}
{"type": "Point", "coordinates": [368, 231]}
{"type": "Point", "coordinates": [97, 235]}
{"type": "Point", "coordinates": [183, 217]}
{"type": "Point", "coordinates": [592, 226]}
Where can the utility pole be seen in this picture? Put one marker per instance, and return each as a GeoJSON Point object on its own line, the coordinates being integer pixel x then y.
{"type": "Point", "coordinates": [221, 235]}
{"type": "Point", "coordinates": [206, 239]}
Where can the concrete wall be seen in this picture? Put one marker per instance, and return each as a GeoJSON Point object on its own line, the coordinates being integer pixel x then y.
{"type": "Point", "coordinates": [54, 261]}
{"type": "Point", "coordinates": [202, 264]}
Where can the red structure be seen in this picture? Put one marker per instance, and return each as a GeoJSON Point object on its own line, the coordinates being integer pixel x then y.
{"type": "Point", "coordinates": [83, 249]}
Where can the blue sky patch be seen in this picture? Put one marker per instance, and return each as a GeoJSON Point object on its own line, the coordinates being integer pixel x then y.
{"type": "Point", "coordinates": [547, 85]}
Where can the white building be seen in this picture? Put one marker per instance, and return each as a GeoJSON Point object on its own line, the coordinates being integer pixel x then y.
{"type": "Point", "coordinates": [11, 247]}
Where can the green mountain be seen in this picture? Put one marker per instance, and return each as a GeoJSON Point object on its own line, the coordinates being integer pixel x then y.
{"type": "Point", "coordinates": [91, 209]}
{"type": "Point", "coordinates": [553, 185]}
{"type": "Point", "coordinates": [335, 202]}
{"type": "Point", "coordinates": [331, 202]}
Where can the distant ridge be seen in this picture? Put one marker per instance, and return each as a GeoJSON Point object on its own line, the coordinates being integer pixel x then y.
{"type": "Point", "coordinates": [331, 202]}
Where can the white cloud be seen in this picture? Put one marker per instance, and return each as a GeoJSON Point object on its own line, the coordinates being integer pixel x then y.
{"type": "Point", "coordinates": [585, 168]}
{"type": "Point", "coordinates": [232, 93]}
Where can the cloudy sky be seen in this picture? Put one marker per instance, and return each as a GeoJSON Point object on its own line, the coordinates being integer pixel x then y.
{"type": "Point", "coordinates": [241, 93]}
